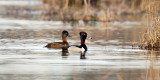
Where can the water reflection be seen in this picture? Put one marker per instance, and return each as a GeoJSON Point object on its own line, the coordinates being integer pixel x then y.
{"type": "Point", "coordinates": [83, 55]}
{"type": "Point", "coordinates": [65, 53]}
{"type": "Point", "coordinates": [109, 56]}
{"type": "Point", "coordinates": [153, 71]}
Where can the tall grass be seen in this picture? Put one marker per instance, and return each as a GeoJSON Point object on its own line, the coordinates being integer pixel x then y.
{"type": "Point", "coordinates": [151, 37]}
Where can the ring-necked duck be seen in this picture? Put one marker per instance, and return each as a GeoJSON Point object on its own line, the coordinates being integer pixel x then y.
{"type": "Point", "coordinates": [59, 45]}
{"type": "Point", "coordinates": [79, 48]}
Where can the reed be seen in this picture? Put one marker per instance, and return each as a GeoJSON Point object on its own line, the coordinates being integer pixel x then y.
{"type": "Point", "coordinates": [91, 9]}
{"type": "Point", "coordinates": [151, 37]}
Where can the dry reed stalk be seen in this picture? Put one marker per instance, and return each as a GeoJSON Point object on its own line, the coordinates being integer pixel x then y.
{"type": "Point", "coordinates": [102, 16]}
{"type": "Point", "coordinates": [66, 4]}
{"type": "Point", "coordinates": [64, 10]}
{"type": "Point", "coordinates": [86, 15]}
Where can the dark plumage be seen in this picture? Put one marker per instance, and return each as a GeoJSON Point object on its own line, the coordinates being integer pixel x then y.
{"type": "Point", "coordinates": [59, 45]}
{"type": "Point", "coordinates": [78, 48]}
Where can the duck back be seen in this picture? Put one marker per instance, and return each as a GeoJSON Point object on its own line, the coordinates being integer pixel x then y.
{"type": "Point", "coordinates": [57, 45]}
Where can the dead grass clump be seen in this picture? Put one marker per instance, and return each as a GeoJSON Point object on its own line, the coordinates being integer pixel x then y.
{"type": "Point", "coordinates": [151, 37]}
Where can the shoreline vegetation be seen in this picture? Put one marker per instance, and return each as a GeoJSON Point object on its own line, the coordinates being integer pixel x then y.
{"type": "Point", "coordinates": [92, 10]}
{"type": "Point", "coordinates": [150, 39]}
{"type": "Point", "coordinates": [75, 10]}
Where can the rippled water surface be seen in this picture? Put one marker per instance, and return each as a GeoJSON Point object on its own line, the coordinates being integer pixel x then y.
{"type": "Point", "coordinates": [109, 57]}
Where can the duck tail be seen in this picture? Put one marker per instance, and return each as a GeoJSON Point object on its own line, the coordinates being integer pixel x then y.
{"type": "Point", "coordinates": [48, 45]}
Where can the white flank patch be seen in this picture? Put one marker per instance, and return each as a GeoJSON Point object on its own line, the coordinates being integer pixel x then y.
{"type": "Point", "coordinates": [74, 49]}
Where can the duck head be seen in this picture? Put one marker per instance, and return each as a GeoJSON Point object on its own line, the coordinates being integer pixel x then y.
{"type": "Point", "coordinates": [83, 36]}
{"type": "Point", "coordinates": [65, 34]}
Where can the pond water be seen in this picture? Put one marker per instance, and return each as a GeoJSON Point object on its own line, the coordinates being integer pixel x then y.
{"type": "Point", "coordinates": [110, 55]}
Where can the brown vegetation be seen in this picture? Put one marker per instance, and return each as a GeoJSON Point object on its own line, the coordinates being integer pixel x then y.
{"type": "Point", "coordinates": [151, 38]}
{"type": "Point", "coordinates": [73, 10]}
{"type": "Point", "coordinates": [100, 10]}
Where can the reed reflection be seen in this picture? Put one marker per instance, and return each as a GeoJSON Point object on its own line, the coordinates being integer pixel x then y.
{"type": "Point", "coordinates": [153, 71]}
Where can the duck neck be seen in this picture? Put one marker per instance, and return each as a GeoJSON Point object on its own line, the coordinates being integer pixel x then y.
{"type": "Point", "coordinates": [82, 42]}
{"type": "Point", "coordinates": [64, 39]}
{"type": "Point", "coordinates": [84, 46]}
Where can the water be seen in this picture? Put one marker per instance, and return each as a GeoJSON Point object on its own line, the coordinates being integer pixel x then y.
{"type": "Point", "coordinates": [110, 55]}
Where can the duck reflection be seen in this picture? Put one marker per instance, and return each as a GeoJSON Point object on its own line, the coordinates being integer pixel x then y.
{"type": "Point", "coordinates": [83, 55]}
{"type": "Point", "coordinates": [65, 53]}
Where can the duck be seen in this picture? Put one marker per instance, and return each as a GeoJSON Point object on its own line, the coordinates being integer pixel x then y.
{"type": "Point", "coordinates": [79, 48]}
{"type": "Point", "coordinates": [59, 45]}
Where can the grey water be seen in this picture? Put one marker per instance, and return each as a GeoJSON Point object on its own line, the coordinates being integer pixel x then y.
{"type": "Point", "coordinates": [110, 54]}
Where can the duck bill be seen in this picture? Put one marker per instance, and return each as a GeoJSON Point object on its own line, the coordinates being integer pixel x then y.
{"type": "Point", "coordinates": [89, 37]}
{"type": "Point", "coordinates": [69, 36]}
